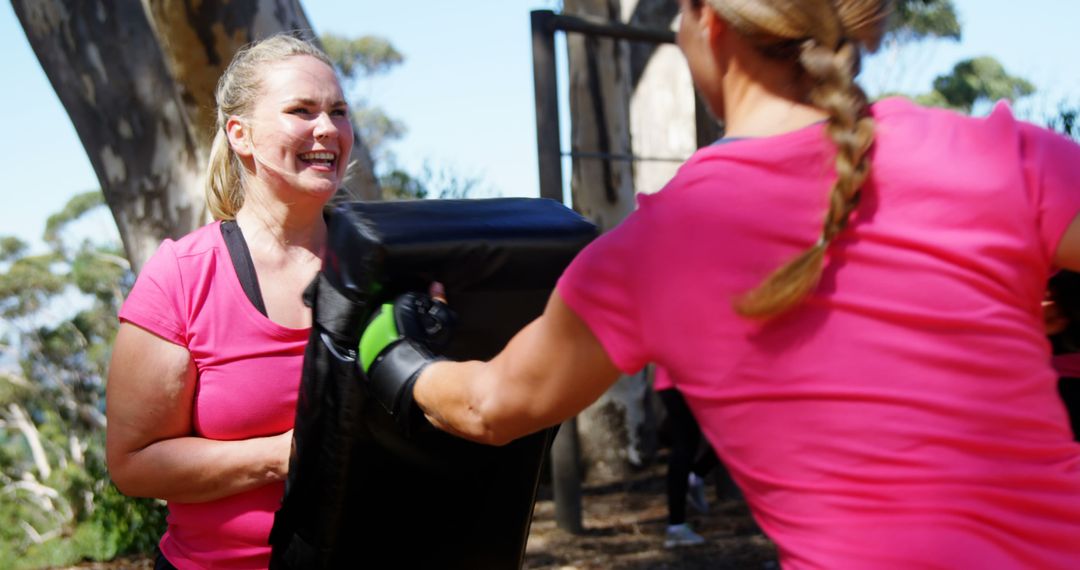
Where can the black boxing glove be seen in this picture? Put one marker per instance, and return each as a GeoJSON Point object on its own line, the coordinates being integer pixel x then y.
{"type": "Point", "coordinates": [399, 341]}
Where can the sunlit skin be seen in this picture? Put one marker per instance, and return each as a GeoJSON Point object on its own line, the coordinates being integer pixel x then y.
{"type": "Point", "coordinates": [301, 110]}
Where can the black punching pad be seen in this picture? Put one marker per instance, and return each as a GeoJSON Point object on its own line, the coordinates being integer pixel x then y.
{"type": "Point", "coordinates": [362, 493]}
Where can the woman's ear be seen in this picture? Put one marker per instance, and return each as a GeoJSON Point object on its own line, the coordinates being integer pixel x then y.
{"type": "Point", "coordinates": [239, 136]}
{"type": "Point", "coordinates": [712, 25]}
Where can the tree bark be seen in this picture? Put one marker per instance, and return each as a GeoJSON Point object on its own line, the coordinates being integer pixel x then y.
{"type": "Point", "coordinates": [137, 80]}
{"type": "Point", "coordinates": [602, 183]}
{"type": "Point", "coordinates": [109, 73]}
{"type": "Point", "coordinates": [617, 433]}
{"type": "Point", "coordinates": [22, 422]}
{"type": "Point", "coordinates": [662, 119]}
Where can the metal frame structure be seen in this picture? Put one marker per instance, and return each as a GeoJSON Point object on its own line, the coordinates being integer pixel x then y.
{"type": "Point", "coordinates": [545, 24]}
{"type": "Point", "coordinates": [565, 453]}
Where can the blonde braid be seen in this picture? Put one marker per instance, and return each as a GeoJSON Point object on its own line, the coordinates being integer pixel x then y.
{"type": "Point", "coordinates": [833, 89]}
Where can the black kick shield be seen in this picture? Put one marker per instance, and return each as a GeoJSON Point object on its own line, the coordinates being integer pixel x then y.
{"type": "Point", "coordinates": [363, 493]}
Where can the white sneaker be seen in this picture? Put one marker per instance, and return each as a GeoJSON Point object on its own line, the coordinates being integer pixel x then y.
{"type": "Point", "coordinates": [695, 494]}
{"type": "Point", "coordinates": [681, 535]}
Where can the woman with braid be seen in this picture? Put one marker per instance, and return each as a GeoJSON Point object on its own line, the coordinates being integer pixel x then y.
{"type": "Point", "coordinates": [847, 296]}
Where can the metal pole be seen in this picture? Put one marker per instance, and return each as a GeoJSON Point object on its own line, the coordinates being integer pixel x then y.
{"type": "Point", "coordinates": [597, 27]}
{"type": "Point", "coordinates": [545, 83]}
{"type": "Point", "coordinates": [566, 478]}
{"type": "Point", "coordinates": [565, 457]}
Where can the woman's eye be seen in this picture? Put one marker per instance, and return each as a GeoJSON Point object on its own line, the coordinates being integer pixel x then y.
{"type": "Point", "coordinates": [339, 112]}
{"type": "Point", "coordinates": [300, 111]}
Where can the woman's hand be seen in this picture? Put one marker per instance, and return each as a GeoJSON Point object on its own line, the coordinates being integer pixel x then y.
{"type": "Point", "coordinates": [399, 341]}
{"type": "Point", "coordinates": [1054, 320]}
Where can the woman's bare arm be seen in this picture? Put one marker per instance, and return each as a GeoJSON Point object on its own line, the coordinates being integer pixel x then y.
{"type": "Point", "coordinates": [549, 371]}
{"type": "Point", "coordinates": [150, 447]}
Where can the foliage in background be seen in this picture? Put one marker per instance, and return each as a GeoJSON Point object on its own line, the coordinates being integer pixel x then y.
{"type": "Point", "coordinates": [917, 20]}
{"type": "Point", "coordinates": [1066, 120]}
{"type": "Point", "coordinates": [359, 60]}
{"type": "Point", "coordinates": [982, 79]}
{"type": "Point", "coordinates": [970, 82]}
{"type": "Point", "coordinates": [57, 505]}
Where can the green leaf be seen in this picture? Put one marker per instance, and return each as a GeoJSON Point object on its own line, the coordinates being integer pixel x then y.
{"type": "Point", "coordinates": [356, 58]}
{"type": "Point", "coordinates": [73, 210]}
{"type": "Point", "coordinates": [915, 20]}
{"type": "Point", "coordinates": [28, 285]}
{"type": "Point", "coordinates": [11, 248]}
{"type": "Point", "coordinates": [1066, 120]}
{"type": "Point", "coordinates": [979, 79]}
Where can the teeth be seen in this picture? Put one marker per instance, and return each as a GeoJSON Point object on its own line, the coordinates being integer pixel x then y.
{"type": "Point", "coordinates": [317, 156]}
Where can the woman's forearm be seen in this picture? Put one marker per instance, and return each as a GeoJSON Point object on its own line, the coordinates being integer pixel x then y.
{"type": "Point", "coordinates": [195, 470]}
{"type": "Point", "coordinates": [451, 397]}
{"type": "Point", "coordinates": [548, 372]}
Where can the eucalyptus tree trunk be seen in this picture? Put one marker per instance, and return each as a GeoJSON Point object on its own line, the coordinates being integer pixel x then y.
{"type": "Point", "coordinates": [137, 80]}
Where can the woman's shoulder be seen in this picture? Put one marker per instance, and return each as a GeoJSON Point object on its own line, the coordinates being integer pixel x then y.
{"type": "Point", "coordinates": [897, 111]}
{"type": "Point", "coordinates": [197, 242]}
{"type": "Point", "coordinates": [174, 255]}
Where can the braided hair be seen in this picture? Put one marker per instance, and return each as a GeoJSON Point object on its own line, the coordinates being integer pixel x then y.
{"type": "Point", "coordinates": [826, 38]}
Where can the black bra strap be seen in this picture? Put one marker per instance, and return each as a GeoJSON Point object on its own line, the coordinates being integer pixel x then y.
{"type": "Point", "coordinates": [241, 259]}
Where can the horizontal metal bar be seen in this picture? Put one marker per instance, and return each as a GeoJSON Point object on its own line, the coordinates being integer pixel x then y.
{"type": "Point", "coordinates": [598, 27]}
{"type": "Point", "coordinates": [619, 157]}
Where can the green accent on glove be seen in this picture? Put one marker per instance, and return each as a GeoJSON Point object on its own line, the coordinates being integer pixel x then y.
{"type": "Point", "coordinates": [380, 332]}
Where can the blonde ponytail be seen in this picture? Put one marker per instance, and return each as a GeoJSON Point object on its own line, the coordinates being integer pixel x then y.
{"type": "Point", "coordinates": [224, 191]}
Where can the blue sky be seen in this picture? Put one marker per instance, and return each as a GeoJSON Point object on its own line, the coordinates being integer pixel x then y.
{"type": "Point", "coordinates": [465, 89]}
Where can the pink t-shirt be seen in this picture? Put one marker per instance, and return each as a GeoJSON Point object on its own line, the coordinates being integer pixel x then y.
{"type": "Point", "coordinates": [248, 378]}
{"type": "Point", "coordinates": [905, 415]}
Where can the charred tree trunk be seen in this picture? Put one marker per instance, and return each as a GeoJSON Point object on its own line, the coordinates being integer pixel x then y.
{"type": "Point", "coordinates": [137, 80]}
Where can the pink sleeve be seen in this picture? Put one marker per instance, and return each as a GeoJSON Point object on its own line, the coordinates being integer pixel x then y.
{"type": "Point", "coordinates": [600, 287]}
{"type": "Point", "coordinates": [662, 379]}
{"type": "Point", "coordinates": [1052, 163]}
{"type": "Point", "coordinates": [156, 302]}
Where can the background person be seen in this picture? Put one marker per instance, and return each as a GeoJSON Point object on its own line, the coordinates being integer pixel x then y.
{"type": "Point", "coordinates": [883, 400]}
{"type": "Point", "coordinates": [206, 367]}
{"type": "Point", "coordinates": [686, 467]}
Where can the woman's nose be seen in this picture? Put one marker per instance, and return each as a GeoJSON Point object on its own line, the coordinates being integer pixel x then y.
{"type": "Point", "coordinates": [324, 126]}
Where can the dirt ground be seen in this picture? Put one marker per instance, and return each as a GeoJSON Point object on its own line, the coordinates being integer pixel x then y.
{"type": "Point", "coordinates": [624, 527]}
